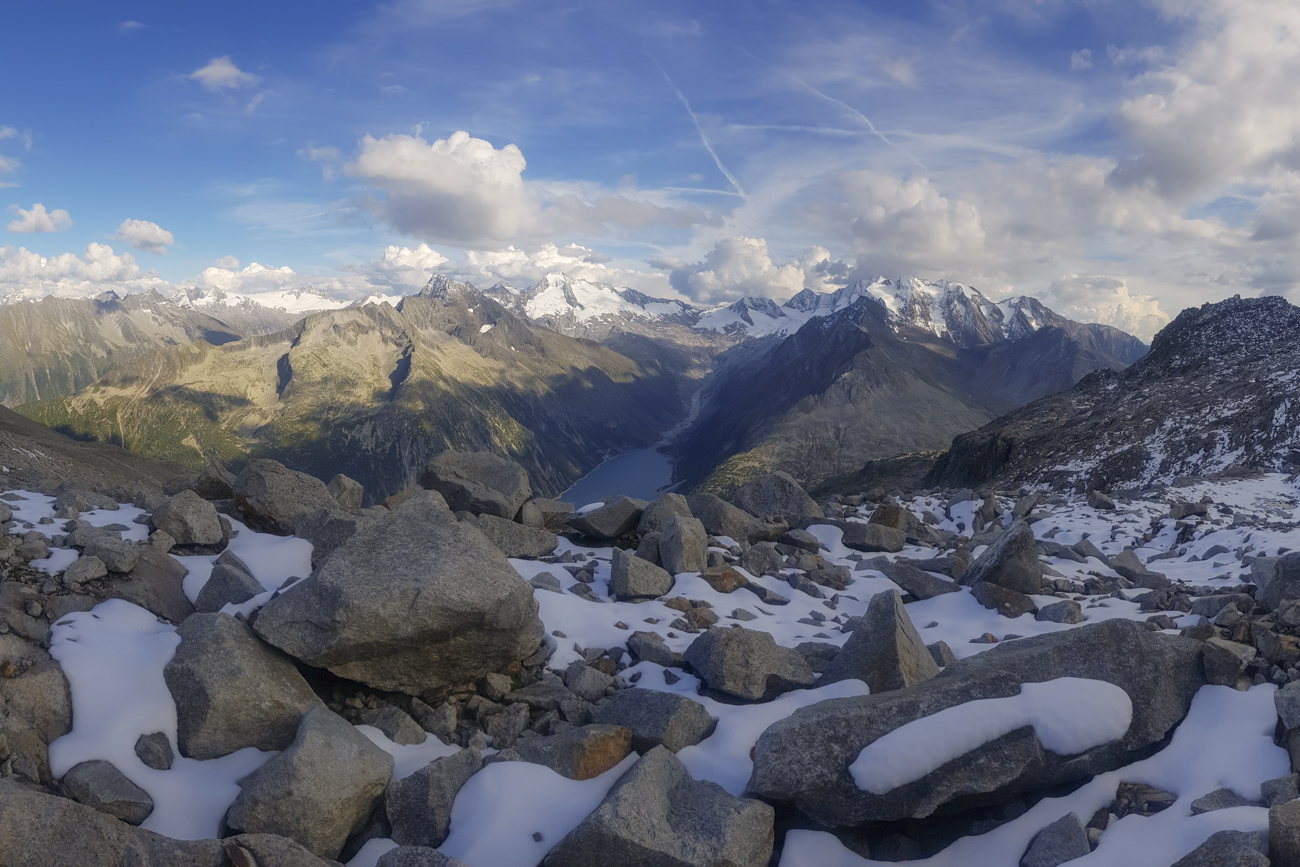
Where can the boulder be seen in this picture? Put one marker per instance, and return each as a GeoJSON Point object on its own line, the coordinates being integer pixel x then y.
{"type": "Point", "coordinates": [327, 529]}
{"type": "Point", "coordinates": [416, 603]}
{"type": "Point", "coordinates": [656, 814]}
{"type": "Point", "coordinates": [615, 518]}
{"type": "Point", "coordinates": [1284, 834]}
{"type": "Point", "coordinates": [100, 785]}
{"type": "Point", "coordinates": [516, 540]}
{"type": "Point", "coordinates": [396, 724]}
{"type": "Point", "coordinates": [586, 682]}
{"type": "Point", "coordinates": [191, 521]}
{"type": "Point", "coordinates": [805, 758]}
{"type": "Point", "coordinates": [1063, 840]}
{"type": "Point", "coordinates": [919, 583]}
{"type": "Point", "coordinates": [417, 856]}
{"type": "Point", "coordinates": [724, 579]}
{"type": "Point", "coordinates": [1065, 611]}
{"type": "Point", "coordinates": [155, 751]}
{"type": "Point", "coordinates": [1008, 603]}
{"type": "Point", "coordinates": [747, 664]}
{"type": "Point", "coordinates": [215, 483]}
{"type": "Point", "coordinates": [232, 691]}
{"type": "Point", "coordinates": [553, 512]}
{"type": "Point", "coordinates": [84, 569]}
{"type": "Point", "coordinates": [1179, 511]}
{"type": "Point", "coordinates": [1226, 661]}
{"type": "Point", "coordinates": [890, 515]}
{"type": "Point", "coordinates": [35, 709]}
{"type": "Point", "coordinates": [478, 482]}
{"type": "Point", "coordinates": [319, 790]}
{"type": "Point", "coordinates": [655, 517]}
{"type": "Point", "coordinates": [1010, 562]}
{"type": "Point", "coordinates": [886, 652]}
{"type": "Point", "coordinates": [41, 830]}
{"type": "Point", "coordinates": [1220, 799]}
{"type": "Point", "coordinates": [348, 493]}
{"type": "Point", "coordinates": [655, 718]}
{"type": "Point", "coordinates": [777, 494]}
{"type": "Point", "coordinates": [684, 546]}
{"type": "Point", "coordinates": [156, 583]}
{"type": "Point", "coordinates": [632, 578]}
{"type": "Point", "coordinates": [273, 498]}
{"type": "Point", "coordinates": [117, 555]}
{"type": "Point", "coordinates": [1098, 501]}
{"type": "Point", "coordinates": [650, 647]}
{"type": "Point", "coordinates": [419, 806]}
{"type": "Point", "coordinates": [1284, 583]}
{"type": "Point", "coordinates": [226, 584]}
{"type": "Point", "coordinates": [873, 538]}
{"type": "Point", "coordinates": [578, 753]}
{"type": "Point", "coordinates": [720, 518]}
{"type": "Point", "coordinates": [1229, 849]}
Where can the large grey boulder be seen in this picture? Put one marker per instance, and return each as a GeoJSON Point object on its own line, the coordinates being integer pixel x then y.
{"type": "Point", "coordinates": [100, 785]}
{"type": "Point", "coordinates": [478, 482]}
{"type": "Point", "coordinates": [1230, 849]}
{"type": "Point", "coordinates": [919, 583]}
{"type": "Point", "coordinates": [1063, 840]}
{"type": "Point", "coordinates": [577, 753]}
{"type": "Point", "coordinates": [232, 690]}
{"type": "Point", "coordinates": [319, 790]}
{"type": "Point", "coordinates": [885, 652]}
{"type": "Point", "coordinates": [516, 540]}
{"type": "Point", "coordinates": [327, 529]}
{"type": "Point", "coordinates": [417, 856]}
{"type": "Point", "coordinates": [226, 584]}
{"type": "Point", "coordinates": [347, 492]}
{"type": "Point", "coordinates": [777, 494]}
{"type": "Point", "coordinates": [1283, 584]}
{"type": "Point", "coordinates": [155, 583]}
{"type": "Point", "coordinates": [419, 806]}
{"type": "Point", "coordinates": [684, 546]}
{"type": "Point", "coordinates": [616, 517]}
{"type": "Point", "coordinates": [747, 664]}
{"type": "Point", "coordinates": [873, 538]}
{"type": "Point", "coordinates": [272, 498]}
{"type": "Point", "coordinates": [190, 519]}
{"type": "Point", "coordinates": [804, 759]}
{"type": "Point", "coordinates": [84, 569]}
{"type": "Point", "coordinates": [657, 816]}
{"type": "Point", "coordinates": [35, 709]}
{"type": "Point", "coordinates": [631, 578]}
{"type": "Point", "coordinates": [1010, 562]}
{"type": "Point", "coordinates": [40, 830]}
{"type": "Point", "coordinates": [655, 718]}
{"type": "Point", "coordinates": [417, 603]}
{"type": "Point", "coordinates": [117, 555]}
{"type": "Point", "coordinates": [655, 517]}
{"type": "Point", "coordinates": [720, 518]}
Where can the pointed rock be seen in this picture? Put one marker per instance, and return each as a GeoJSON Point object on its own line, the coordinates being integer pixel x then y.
{"type": "Point", "coordinates": [1010, 562]}
{"type": "Point", "coordinates": [886, 652]}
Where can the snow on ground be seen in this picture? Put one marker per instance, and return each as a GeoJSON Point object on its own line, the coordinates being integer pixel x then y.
{"type": "Point", "coordinates": [114, 656]}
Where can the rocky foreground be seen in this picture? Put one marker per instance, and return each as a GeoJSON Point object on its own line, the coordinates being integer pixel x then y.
{"type": "Point", "coordinates": [257, 670]}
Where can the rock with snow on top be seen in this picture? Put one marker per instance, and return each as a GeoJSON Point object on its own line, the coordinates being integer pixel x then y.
{"type": "Point", "coordinates": [610, 520]}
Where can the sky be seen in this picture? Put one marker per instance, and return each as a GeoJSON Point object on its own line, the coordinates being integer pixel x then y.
{"type": "Point", "coordinates": [1118, 159]}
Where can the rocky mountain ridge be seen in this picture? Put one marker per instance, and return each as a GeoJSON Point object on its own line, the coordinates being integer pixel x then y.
{"type": "Point", "coordinates": [1218, 391]}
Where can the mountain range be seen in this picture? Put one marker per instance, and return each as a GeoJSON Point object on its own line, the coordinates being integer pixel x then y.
{"type": "Point", "coordinates": [558, 376]}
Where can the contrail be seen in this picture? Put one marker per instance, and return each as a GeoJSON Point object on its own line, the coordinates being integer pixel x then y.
{"type": "Point", "coordinates": [703, 138]}
{"type": "Point", "coordinates": [862, 117]}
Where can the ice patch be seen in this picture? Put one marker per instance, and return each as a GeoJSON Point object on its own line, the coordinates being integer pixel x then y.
{"type": "Point", "coordinates": [1070, 715]}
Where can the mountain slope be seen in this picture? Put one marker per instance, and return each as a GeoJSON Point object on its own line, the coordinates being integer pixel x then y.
{"type": "Point", "coordinates": [1219, 389]}
{"type": "Point", "coordinates": [54, 347]}
{"type": "Point", "coordinates": [373, 391]}
{"type": "Point", "coordinates": [863, 383]}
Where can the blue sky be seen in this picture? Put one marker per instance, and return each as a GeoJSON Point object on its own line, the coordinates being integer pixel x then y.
{"type": "Point", "coordinates": [1119, 159]}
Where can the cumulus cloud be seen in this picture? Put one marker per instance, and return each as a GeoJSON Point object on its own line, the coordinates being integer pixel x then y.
{"type": "Point", "coordinates": [144, 235]}
{"type": "Point", "coordinates": [37, 220]}
{"type": "Point", "coordinates": [740, 266]}
{"type": "Point", "coordinates": [228, 262]}
{"type": "Point", "coordinates": [465, 192]}
{"type": "Point", "coordinates": [25, 274]}
{"type": "Point", "coordinates": [524, 267]}
{"type": "Point", "coordinates": [406, 267]}
{"type": "Point", "coordinates": [221, 74]}
{"type": "Point", "coordinates": [1224, 111]}
{"type": "Point", "coordinates": [1106, 300]}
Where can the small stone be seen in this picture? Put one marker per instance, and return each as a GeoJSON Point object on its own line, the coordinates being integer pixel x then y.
{"type": "Point", "coordinates": [1219, 799]}
{"type": "Point", "coordinates": [396, 724]}
{"type": "Point", "coordinates": [100, 785]}
{"type": "Point", "coordinates": [155, 751]}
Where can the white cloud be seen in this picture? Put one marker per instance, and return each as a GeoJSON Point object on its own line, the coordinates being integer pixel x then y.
{"type": "Point", "coordinates": [405, 266]}
{"type": "Point", "coordinates": [1081, 59]}
{"type": "Point", "coordinates": [221, 74]}
{"type": "Point", "coordinates": [129, 26]}
{"type": "Point", "coordinates": [227, 262]}
{"type": "Point", "coordinates": [525, 267]}
{"type": "Point", "coordinates": [144, 235]}
{"type": "Point", "coordinates": [38, 220]}
{"type": "Point", "coordinates": [328, 157]}
{"type": "Point", "coordinates": [29, 275]}
{"type": "Point", "coordinates": [465, 192]}
{"type": "Point", "coordinates": [901, 71]}
{"type": "Point", "coordinates": [744, 266]}
{"type": "Point", "coordinates": [1106, 300]}
{"type": "Point", "coordinates": [25, 136]}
